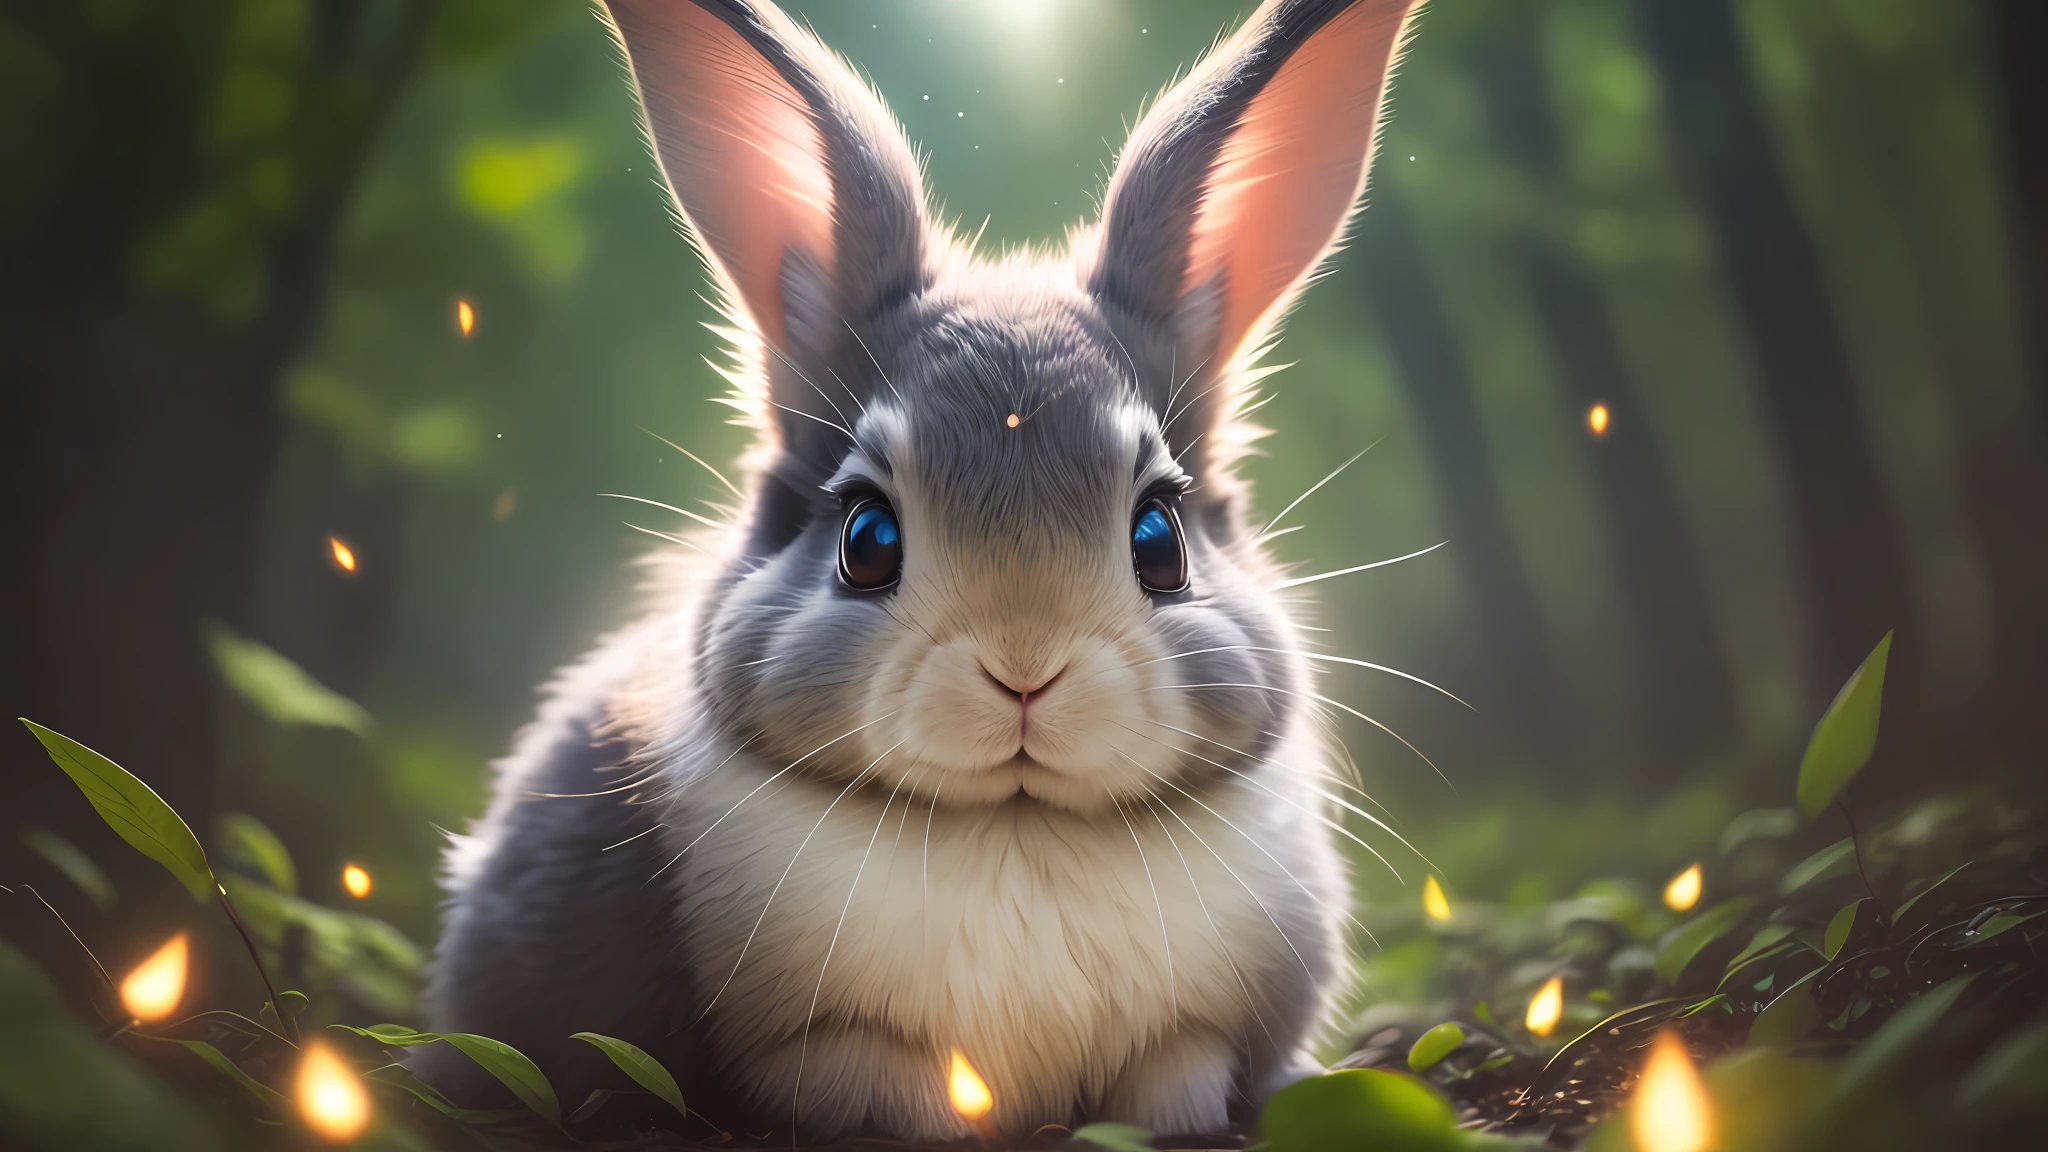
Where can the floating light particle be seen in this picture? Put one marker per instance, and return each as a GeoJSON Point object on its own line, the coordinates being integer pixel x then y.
{"type": "Point", "coordinates": [1546, 1007]}
{"type": "Point", "coordinates": [1596, 419]}
{"type": "Point", "coordinates": [344, 557]}
{"type": "Point", "coordinates": [967, 1091]}
{"type": "Point", "coordinates": [153, 989]}
{"type": "Point", "coordinates": [507, 502]}
{"type": "Point", "coordinates": [1014, 420]}
{"type": "Point", "coordinates": [356, 879]}
{"type": "Point", "coordinates": [1672, 1111]}
{"type": "Point", "coordinates": [1684, 890]}
{"type": "Point", "coordinates": [331, 1096]}
{"type": "Point", "coordinates": [1434, 902]}
{"type": "Point", "coordinates": [465, 317]}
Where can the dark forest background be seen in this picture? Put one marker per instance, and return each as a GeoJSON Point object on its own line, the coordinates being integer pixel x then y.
{"type": "Point", "coordinates": [1798, 248]}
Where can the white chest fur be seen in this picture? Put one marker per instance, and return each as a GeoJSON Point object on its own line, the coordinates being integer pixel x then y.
{"type": "Point", "coordinates": [849, 941]}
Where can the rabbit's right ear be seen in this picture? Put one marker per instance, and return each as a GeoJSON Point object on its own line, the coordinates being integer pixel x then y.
{"type": "Point", "coordinates": [796, 184]}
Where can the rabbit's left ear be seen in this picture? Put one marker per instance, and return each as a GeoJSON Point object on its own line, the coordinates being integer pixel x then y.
{"type": "Point", "coordinates": [1240, 180]}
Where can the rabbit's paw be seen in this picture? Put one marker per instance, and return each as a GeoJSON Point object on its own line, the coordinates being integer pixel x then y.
{"type": "Point", "coordinates": [1180, 1086]}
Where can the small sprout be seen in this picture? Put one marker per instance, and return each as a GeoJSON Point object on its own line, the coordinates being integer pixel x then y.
{"type": "Point", "coordinates": [1432, 1046]}
{"type": "Point", "coordinates": [1434, 902]}
{"type": "Point", "coordinates": [1546, 1007]}
{"type": "Point", "coordinates": [1684, 890]}
{"type": "Point", "coordinates": [153, 990]}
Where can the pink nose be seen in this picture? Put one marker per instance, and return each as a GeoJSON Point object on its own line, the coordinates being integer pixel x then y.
{"type": "Point", "coordinates": [1018, 689]}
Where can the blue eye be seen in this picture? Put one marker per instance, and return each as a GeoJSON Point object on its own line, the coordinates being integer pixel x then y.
{"type": "Point", "coordinates": [870, 546]}
{"type": "Point", "coordinates": [1156, 549]}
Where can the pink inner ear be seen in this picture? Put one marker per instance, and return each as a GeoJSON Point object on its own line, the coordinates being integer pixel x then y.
{"type": "Point", "coordinates": [1287, 177]}
{"type": "Point", "coordinates": [740, 147]}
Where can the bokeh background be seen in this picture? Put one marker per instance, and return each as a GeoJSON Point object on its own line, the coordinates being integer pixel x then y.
{"type": "Point", "coordinates": [1794, 246]}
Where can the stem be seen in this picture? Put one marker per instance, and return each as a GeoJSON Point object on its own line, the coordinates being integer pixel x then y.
{"type": "Point", "coordinates": [284, 1023]}
{"type": "Point", "coordinates": [1856, 846]}
{"type": "Point", "coordinates": [101, 968]}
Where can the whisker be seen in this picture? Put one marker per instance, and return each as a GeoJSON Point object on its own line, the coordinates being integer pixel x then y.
{"type": "Point", "coordinates": [1196, 887]}
{"type": "Point", "coordinates": [1165, 938]}
{"type": "Point", "coordinates": [729, 486]}
{"type": "Point", "coordinates": [820, 419]}
{"type": "Point", "coordinates": [1307, 655]}
{"type": "Point", "coordinates": [804, 1047]}
{"type": "Point", "coordinates": [770, 902]}
{"type": "Point", "coordinates": [871, 359]}
{"type": "Point", "coordinates": [1300, 580]}
{"type": "Point", "coordinates": [1296, 502]}
{"type": "Point", "coordinates": [791, 365]}
{"type": "Point", "coordinates": [707, 521]}
{"type": "Point", "coordinates": [763, 784]}
{"type": "Point", "coordinates": [633, 837]}
{"type": "Point", "coordinates": [1322, 699]}
{"type": "Point", "coordinates": [924, 900]}
{"type": "Point", "coordinates": [692, 545]}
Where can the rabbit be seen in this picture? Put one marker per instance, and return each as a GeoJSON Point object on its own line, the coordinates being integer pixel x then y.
{"type": "Point", "coordinates": [982, 727]}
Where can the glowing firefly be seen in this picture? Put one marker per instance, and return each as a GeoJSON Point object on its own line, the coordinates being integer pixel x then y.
{"type": "Point", "coordinates": [1596, 419]}
{"type": "Point", "coordinates": [356, 879]}
{"type": "Point", "coordinates": [969, 1094]}
{"type": "Point", "coordinates": [1684, 890]}
{"type": "Point", "coordinates": [1672, 1113]}
{"type": "Point", "coordinates": [1546, 1007]}
{"type": "Point", "coordinates": [1434, 902]}
{"type": "Point", "coordinates": [331, 1096]}
{"type": "Point", "coordinates": [465, 317]}
{"type": "Point", "coordinates": [153, 990]}
{"type": "Point", "coordinates": [1014, 420]}
{"type": "Point", "coordinates": [344, 556]}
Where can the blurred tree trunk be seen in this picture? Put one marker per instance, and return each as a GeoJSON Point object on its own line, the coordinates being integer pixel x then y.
{"type": "Point", "coordinates": [1680, 699]}
{"type": "Point", "coordinates": [1523, 696]}
{"type": "Point", "coordinates": [1851, 554]}
{"type": "Point", "coordinates": [176, 187]}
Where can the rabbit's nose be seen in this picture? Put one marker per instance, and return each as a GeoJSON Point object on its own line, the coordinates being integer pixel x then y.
{"type": "Point", "coordinates": [1017, 687]}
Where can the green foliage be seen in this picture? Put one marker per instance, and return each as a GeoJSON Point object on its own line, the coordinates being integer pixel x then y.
{"type": "Point", "coordinates": [1846, 736]}
{"type": "Point", "coordinates": [132, 810]}
{"type": "Point", "coordinates": [507, 1064]}
{"type": "Point", "coordinates": [1432, 1046]}
{"type": "Point", "coordinates": [371, 961]}
{"type": "Point", "coordinates": [76, 866]}
{"type": "Point", "coordinates": [1359, 1108]}
{"type": "Point", "coordinates": [245, 842]}
{"type": "Point", "coordinates": [1115, 1137]}
{"type": "Point", "coordinates": [645, 1070]}
{"type": "Point", "coordinates": [279, 688]}
{"type": "Point", "coordinates": [270, 1098]}
{"type": "Point", "coordinates": [1838, 928]}
{"type": "Point", "coordinates": [1906, 1029]}
{"type": "Point", "coordinates": [1837, 859]}
{"type": "Point", "coordinates": [1687, 940]}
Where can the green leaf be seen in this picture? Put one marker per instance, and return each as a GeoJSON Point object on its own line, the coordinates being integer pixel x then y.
{"type": "Point", "coordinates": [401, 1077]}
{"type": "Point", "coordinates": [1766, 937]}
{"type": "Point", "coordinates": [2011, 1078]}
{"type": "Point", "coordinates": [72, 861]}
{"type": "Point", "coordinates": [1846, 736]}
{"type": "Point", "coordinates": [266, 1095]}
{"type": "Point", "coordinates": [2000, 924]}
{"type": "Point", "coordinates": [1915, 898]}
{"type": "Point", "coordinates": [1787, 1019]}
{"type": "Point", "coordinates": [1758, 824]}
{"type": "Point", "coordinates": [508, 1064]}
{"type": "Point", "coordinates": [1889, 1045]}
{"type": "Point", "coordinates": [1359, 1108]}
{"type": "Point", "coordinates": [1432, 1046]}
{"type": "Point", "coordinates": [645, 1070]}
{"type": "Point", "coordinates": [1684, 942]}
{"type": "Point", "coordinates": [245, 841]}
{"type": "Point", "coordinates": [1839, 928]}
{"type": "Point", "coordinates": [1837, 859]}
{"type": "Point", "coordinates": [279, 688]}
{"type": "Point", "coordinates": [1116, 1137]}
{"type": "Point", "coordinates": [131, 809]}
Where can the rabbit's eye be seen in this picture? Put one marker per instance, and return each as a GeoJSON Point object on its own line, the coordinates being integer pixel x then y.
{"type": "Point", "coordinates": [1156, 550]}
{"type": "Point", "coordinates": [870, 546]}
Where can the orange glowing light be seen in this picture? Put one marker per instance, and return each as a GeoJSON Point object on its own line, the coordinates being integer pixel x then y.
{"type": "Point", "coordinates": [1596, 419]}
{"type": "Point", "coordinates": [356, 879]}
{"type": "Point", "coordinates": [1434, 901]}
{"type": "Point", "coordinates": [1672, 1113]}
{"type": "Point", "coordinates": [344, 556]}
{"type": "Point", "coordinates": [153, 990]}
{"type": "Point", "coordinates": [465, 317]}
{"type": "Point", "coordinates": [1014, 420]}
{"type": "Point", "coordinates": [1546, 1007]}
{"type": "Point", "coordinates": [331, 1095]}
{"type": "Point", "coordinates": [1684, 890]}
{"type": "Point", "coordinates": [967, 1091]}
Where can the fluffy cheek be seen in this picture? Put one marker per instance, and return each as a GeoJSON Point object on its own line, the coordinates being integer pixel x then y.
{"type": "Point", "coordinates": [950, 715]}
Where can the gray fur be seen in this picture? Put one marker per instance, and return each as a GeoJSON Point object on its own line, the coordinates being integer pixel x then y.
{"type": "Point", "coordinates": [697, 846]}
